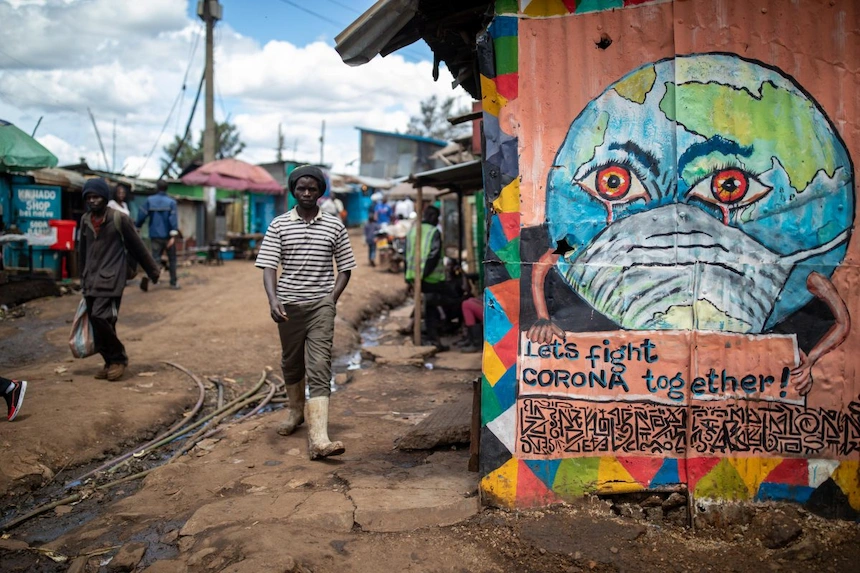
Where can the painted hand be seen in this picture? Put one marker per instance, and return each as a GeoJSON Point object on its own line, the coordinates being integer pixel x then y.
{"type": "Point", "coordinates": [277, 311]}
{"type": "Point", "coordinates": [801, 375]}
{"type": "Point", "coordinates": [544, 330]}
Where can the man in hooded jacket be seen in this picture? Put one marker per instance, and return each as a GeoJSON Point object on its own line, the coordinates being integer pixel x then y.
{"type": "Point", "coordinates": [106, 241]}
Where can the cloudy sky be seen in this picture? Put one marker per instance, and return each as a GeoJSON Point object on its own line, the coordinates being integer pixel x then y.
{"type": "Point", "coordinates": [127, 61]}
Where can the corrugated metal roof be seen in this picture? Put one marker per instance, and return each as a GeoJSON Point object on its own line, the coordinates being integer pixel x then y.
{"type": "Point", "coordinates": [421, 138]}
{"type": "Point", "coordinates": [368, 36]}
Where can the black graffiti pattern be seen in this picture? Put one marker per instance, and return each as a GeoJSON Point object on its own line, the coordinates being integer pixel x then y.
{"type": "Point", "coordinates": [559, 428]}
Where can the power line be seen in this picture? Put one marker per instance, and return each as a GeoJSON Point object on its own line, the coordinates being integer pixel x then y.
{"type": "Point", "coordinates": [312, 13]}
{"type": "Point", "coordinates": [187, 127]}
{"type": "Point", "coordinates": [350, 8]}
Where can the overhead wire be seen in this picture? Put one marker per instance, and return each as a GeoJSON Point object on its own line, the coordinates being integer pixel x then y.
{"type": "Point", "coordinates": [179, 97]}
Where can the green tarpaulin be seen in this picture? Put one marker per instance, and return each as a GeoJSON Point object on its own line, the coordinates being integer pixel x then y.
{"type": "Point", "coordinates": [20, 152]}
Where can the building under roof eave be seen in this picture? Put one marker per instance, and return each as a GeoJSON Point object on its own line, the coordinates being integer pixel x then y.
{"type": "Point", "coordinates": [466, 177]}
{"type": "Point", "coordinates": [450, 28]}
{"type": "Point", "coordinates": [370, 182]}
{"type": "Point", "coordinates": [60, 177]}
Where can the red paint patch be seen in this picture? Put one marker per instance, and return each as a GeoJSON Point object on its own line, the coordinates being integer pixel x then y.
{"type": "Point", "coordinates": [506, 348]}
{"type": "Point", "coordinates": [641, 469]}
{"type": "Point", "coordinates": [508, 85]}
{"type": "Point", "coordinates": [508, 295]}
{"type": "Point", "coordinates": [637, 2]}
{"type": "Point", "coordinates": [697, 468]}
{"type": "Point", "coordinates": [790, 472]}
{"type": "Point", "coordinates": [510, 225]}
{"type": "Point", "coordinates": [570, 5]}
{"type": "Point", "coordinates": [531, 491]}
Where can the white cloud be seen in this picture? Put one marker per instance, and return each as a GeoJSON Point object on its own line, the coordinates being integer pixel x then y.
{"type": "Point", "coordinates": [126, 61]}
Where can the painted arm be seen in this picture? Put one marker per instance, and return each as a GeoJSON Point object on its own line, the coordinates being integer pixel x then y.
{"type": "Point", "coordinates": [821, 287]}
{"type": "Point", "coordinates": [544, 329]}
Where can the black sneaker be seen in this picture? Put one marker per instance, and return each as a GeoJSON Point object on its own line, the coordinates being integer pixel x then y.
{"type": "Point", "coordinates": [15, 398]}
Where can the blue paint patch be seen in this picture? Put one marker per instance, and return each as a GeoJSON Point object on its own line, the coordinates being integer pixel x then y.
{"type": "Point", "coordinates": [503, 26]}
{"type": "Point", "coordinates": [783, 492]}
{"type": "Point", "coordinates": [666, 475]}
{"type": "Point", "coordinates": [497, 239]}
{"type": "Point", "coordinates": [544, 470]}
{"type": "Point", "coordinates": [505, 388]}
{"type": "Point", "coordinates": [496, 323]}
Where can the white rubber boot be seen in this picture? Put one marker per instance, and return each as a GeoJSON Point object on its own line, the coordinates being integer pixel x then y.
{"type": "Point", "coordinates": [319, 446]}
{"type": "Point", "coordinates": [296, 409]}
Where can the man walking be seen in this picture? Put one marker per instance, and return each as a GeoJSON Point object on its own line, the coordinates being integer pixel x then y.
{"type": "Point", "coordinates": [431, 272]}
{"type": "Point", "coordinates": [302, 302]}
{"type": "Point", "coordinates": [107, 238]}
{"type": "Point", "coordinates": [163, 229]}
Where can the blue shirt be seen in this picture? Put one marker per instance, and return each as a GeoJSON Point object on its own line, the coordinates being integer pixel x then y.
{"type": "Point", "coordinates": [161, 211]}
{"type": "Point", "coordinates": [383, 213]}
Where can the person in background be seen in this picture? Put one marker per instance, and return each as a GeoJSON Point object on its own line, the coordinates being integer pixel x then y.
{"type": "Point", "coordinates": [404, 208]}
{"type": "Point", "coordinates": [107, 239]}
{"type": "Point", "coordinates": [13, 392]}
{"type": "Point", "coordinates": [472, 309]}
{"type": "Point", "coordinates": [163, 229]}
{"type": "Point", "coordinates": [431, 272]}
{"type": "Point", "coordinates": [370, 230]}
{"type": "Point", "coordinates": [383, 211]}
{"type": "Point", "coordinates": [119, 202]}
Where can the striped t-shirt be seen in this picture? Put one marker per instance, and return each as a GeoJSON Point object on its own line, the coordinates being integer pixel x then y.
{"type": "Point", "coordinates": [305, 252]}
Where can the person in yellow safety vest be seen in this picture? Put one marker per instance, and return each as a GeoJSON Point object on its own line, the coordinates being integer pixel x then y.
{"type": "Point", "coordinates": [432, 270]}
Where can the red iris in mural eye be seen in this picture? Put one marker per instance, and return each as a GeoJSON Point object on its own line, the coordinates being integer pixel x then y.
{"type": "Point", "coordinates": [613, 182]}
{"type": "Point", "coordinates": [729, 185]}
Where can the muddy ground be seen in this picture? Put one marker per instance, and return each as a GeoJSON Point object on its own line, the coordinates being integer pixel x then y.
{"type": "Point", "coordinates": [249, 500]}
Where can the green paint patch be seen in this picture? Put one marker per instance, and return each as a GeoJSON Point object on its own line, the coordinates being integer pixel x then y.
{"type": "Point", "coordinates": [584, 6]}
{"type": "Point", "coordinates": [636, 86]}
{"type": "Point", "coordinates": [510, 253]}
{"type": "Point", "coordinates": [506, 7]}
{"type": "Point", "coordinates": [490, 408]}
{"type": "Point", "coordinates": [576, 477]}
{"type": "Point", "coordinates": [722, 482]}
{"type": "Point", "coordinates": [507, 51]}
{"type": "Point", "coordinates": [777, 123]}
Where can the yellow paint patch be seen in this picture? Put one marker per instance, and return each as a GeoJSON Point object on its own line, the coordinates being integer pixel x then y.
{"type": "Point", "coordinates": [537, 8]}
{"type": "Point", "coordinates": [500, 487]}
{"type": "Point", "coordinates": [491, 100]}
{"type": "Point", "coordinates": [722, 482]}
{"type": "Point", "coordinates": [612, 477]}
{"type": "Point", "coordinates": [754, 470]}
{"type": "Point", "coordinates": [847, 477]}
{"type": "Point", "coordinates": [493, 367]}
{"type": "Point", "coordinates": [508, 200]}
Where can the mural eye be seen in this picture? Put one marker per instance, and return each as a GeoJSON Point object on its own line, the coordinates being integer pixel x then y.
{"type": "Point", "coordinates": [614, 183]}
{"type": "Point", "coordinates": [729, 186]}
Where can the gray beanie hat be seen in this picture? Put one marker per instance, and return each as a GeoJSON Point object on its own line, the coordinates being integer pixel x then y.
{"type": "Point", "coordinates": [306, 171]}
{"type": "Point", "coordinates": [98, 186]}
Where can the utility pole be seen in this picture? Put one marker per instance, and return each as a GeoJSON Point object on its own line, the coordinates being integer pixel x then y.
{"type": "Point", "coordinates": [322, 143]}
{"type": "Point", "coordinates": [113, 154]}
{"type": "Point", "coordinates": [280, 147]}
{"type": "Point", "coordinates": [210, 12]}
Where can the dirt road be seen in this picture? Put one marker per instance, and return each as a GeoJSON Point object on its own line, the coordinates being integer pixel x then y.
{"type": "Point", "coordinates": [248, 500]}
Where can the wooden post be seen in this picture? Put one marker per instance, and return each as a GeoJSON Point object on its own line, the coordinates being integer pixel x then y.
{"type": "Point", "coordinates": [416, 283]}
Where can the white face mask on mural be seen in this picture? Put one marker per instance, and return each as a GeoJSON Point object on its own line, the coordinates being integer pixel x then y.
{"type": "Point", "coordinates": [676, 267]}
